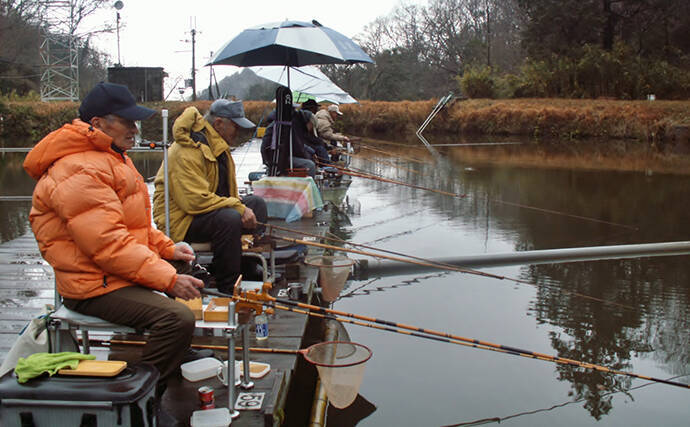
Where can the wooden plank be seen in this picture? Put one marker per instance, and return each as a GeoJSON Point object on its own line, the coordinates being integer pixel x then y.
{"type": "Point", "coordinates": [19, 313]}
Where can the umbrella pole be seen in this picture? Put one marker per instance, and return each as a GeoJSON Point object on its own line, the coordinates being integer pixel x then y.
{"type": "Point", "coordinates": [288, 82]}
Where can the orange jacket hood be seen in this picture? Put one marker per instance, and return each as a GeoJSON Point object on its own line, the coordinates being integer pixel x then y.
{"type": "Point", "coordinates": [75, 137]}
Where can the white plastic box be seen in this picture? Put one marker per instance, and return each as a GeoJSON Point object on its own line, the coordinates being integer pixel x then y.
{"type": "Point", "coordinates": [200, 369]}
{"type": "Point", "coordinates": [219, 417]}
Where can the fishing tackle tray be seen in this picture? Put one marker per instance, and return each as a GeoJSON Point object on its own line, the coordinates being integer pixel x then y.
{"type": "Point", "coordinates": [123, 400]}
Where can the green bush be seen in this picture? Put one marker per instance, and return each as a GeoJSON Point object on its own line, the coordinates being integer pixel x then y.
{"type": "Point", "coordinates": [593, 72]}
{"type": "Point", "coordinates": [477, 82]}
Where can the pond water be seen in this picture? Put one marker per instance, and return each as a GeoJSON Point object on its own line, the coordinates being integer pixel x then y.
{"type": "Point", "coordinates": [416, 382]}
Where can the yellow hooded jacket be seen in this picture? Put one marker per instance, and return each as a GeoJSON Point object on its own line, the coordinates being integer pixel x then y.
{"type": "Point", "coordinates": [193, 176]}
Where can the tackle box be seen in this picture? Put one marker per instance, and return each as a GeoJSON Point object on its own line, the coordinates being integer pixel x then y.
{"type": "Point", "coordinates": [126, 399]}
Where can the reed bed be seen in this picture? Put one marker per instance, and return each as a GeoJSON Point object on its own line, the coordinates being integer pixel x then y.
{"type": "Point", "coordinates": [645, 121]}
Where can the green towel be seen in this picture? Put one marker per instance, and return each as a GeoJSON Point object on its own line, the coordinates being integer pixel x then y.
{"type": "Point", "coordinates": [38, 363]}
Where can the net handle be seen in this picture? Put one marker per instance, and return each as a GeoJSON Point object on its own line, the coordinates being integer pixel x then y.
{"type": "Point", "coordinates": [304, 352]}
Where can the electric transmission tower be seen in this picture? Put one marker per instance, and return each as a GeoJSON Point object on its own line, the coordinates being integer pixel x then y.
{"type": "Point", "coordinates": [60, 53]}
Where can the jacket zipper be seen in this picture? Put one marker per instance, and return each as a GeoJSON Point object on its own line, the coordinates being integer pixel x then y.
{"type": "Point", "coordinates": [105, 281]}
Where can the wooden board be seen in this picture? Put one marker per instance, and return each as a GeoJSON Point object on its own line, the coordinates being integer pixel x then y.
{"type": "Point", "coordinates": [194, 305]}
{"type": "Point", "coordinates": [96, 368]}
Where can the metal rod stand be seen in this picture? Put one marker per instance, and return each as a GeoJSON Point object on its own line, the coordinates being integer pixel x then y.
{"type": "Point", "coordinates": [246, 380]}
{"type": "Point", "coordinates": [230, 331]}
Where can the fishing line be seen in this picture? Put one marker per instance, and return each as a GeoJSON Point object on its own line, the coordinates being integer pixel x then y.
{"type": "Point", "coordinates": [367, 147]}
{"type": "Point", "coordinates": [408, 282]}
{"type": "Point", "coordinates": [514, 204]}
{"type": "Point", "coordinates": [410, 259]}
{"type": "Point", "coordinates": [560, 405]}
{"type": "Point", "coordinates": [349, 172]}
{"type": "Point", "coordinates": [446, 337]}
{"type": "Point", "coordinates": [402, 233]}
{"type": "Point", "coordinates": [385, 162]}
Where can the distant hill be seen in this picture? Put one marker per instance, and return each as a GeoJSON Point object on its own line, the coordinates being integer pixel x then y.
{"type": "Point", "coordinates": [245, 85]}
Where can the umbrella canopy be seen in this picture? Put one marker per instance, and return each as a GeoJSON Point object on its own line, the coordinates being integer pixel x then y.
{"type": "Point", "coordinates": [308, 81]}
{"type": "Point", "coordinates": [291, 43]}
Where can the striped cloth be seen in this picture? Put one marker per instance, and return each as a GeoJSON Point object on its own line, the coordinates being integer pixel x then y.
{"type": "Point", "coordinates": [289, 198]}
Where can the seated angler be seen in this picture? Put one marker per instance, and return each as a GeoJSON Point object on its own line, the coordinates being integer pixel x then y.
{"type": "Point", "coordinates": [91, 217]}
{"type": "Point", "coordinates": [302, 154]}
{"type": "Point", "coordinates": [205, 205]}
{"type": "Point", "coordinates": [325, 119]}
{"type": "Point", "coordinates": [311, 138]}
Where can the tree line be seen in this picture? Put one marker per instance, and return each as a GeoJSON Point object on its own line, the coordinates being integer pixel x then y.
{"type": "Point", "coordinates": [624, 49]}
{"type": "Point", "coordinates": [23, 27]}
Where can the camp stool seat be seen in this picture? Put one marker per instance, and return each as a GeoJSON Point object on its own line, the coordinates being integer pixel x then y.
{"type": "Point", "coordinates": [64, 319]}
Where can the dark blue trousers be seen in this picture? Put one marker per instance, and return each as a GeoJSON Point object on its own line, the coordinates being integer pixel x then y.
{"type": "Point", "coordinates": [223, 228]}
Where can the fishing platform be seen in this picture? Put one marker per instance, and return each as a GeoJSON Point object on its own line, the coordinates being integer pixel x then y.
{"type": "Point", "coordinates": [286, 395]}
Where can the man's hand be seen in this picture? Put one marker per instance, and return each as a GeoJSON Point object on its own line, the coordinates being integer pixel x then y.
{"type": "Point", "coordinates": [183, 252]}
{"type": "Point", "coordinates": [346, 139]}
{"type": "Point", "coordinates": [248, 219]}
{"type": "Point", "coordinates": [186, 287]}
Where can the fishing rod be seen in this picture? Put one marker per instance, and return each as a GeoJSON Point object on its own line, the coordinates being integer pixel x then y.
{"type": "Point", "coordinates": [385, 162]}
{"type": "Point", "coordinates": [410, 259]}
{"type": "Point", "coordinates": [350, 172]}
{"type": "Point", "coordinates": [367, 147]}
{"type": "Point", "coordinates": [499, 201]}
{"type": "Point", "coordinates": [202, 346]}
{"type": "Point", "coordinates": [445, 337]}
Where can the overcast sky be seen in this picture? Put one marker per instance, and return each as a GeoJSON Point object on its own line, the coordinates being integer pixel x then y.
{"type": "Point", "coordinates": [152, 31]}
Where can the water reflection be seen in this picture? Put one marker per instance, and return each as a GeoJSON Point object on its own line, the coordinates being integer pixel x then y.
{"type": "Point", "coordinates": [14, 215]}
{"type": "Point", "coordinates": [574, 208]}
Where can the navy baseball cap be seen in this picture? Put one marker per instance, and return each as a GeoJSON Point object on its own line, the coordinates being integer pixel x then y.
{"type": "Point", "coordinates": [111, 98]}
{"type": "Point", "coordinates": [232, 110]}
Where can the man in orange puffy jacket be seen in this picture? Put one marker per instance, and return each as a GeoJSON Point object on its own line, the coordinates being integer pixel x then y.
{"type": "Point", "coordinates": [91, 215]}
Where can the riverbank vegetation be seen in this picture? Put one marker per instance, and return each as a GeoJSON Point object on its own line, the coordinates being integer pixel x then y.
{"type": "Point", "coordinates": [648, 122]}
{"type": "Point", "coordinates": [622, 49]}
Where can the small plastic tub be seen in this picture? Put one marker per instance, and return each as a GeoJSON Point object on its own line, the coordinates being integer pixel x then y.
{"type": "Point", "coordinates": [200, 369]}
{"type": "Point", "coordinates": [219, 417]}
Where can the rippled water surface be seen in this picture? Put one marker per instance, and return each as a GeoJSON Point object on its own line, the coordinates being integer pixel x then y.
{"type": "Point", "coordinates": [415, 382]}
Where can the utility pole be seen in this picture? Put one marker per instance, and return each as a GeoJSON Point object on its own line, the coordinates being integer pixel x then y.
{"type": "Point", "coordinates": [193, 66]}
{"type": "Point", "coordinates": [210, 80]}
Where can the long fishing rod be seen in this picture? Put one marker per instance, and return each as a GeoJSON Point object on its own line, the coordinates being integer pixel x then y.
{"type": "Point", "coordinates": [450, 338]}
{"type": "Point", "coordinates": [367, 147]}
{"type": "Point", "coordinates": [350, 172]}
{"type": "Point", "coordinates": [410, 259]}
{"type": "Point", "coordinates": [385, 162]}
{"type": "Point", "coordinates": [203, 346]}
{"type": "Point", "coordinates": [503, 202]}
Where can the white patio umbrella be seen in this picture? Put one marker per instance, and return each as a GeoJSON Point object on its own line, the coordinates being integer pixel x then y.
{"type": "Point", "coordinates": [308, 80]}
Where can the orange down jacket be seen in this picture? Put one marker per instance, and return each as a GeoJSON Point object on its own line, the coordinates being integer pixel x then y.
{"type": "Point", "coordinates": [91, 215]}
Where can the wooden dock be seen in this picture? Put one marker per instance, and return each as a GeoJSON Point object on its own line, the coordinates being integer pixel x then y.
{"type": "Point", "coordinates": [27, 285]}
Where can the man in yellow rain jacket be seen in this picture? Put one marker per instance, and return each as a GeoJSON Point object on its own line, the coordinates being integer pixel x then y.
{"type": "Point", "coordinates": [204, 200]}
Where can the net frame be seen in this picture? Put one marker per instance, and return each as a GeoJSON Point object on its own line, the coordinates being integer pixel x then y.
{"type": "Point", "coordinates": [305, 353]}
{"type": "Point", "coordinates": [308, 261]}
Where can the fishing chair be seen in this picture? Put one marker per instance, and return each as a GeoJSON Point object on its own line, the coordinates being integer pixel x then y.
{"type": "Point", "coordinates": [64, 322]}
{"type": "Point", "coordinates": [204, 256]}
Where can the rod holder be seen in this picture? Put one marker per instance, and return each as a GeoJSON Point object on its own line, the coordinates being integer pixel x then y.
{"type": "Point", "coordinates": [166, 190]}
{"type": "Point", "coordinates": [246, 384]}
{"type": "Point", "coordinates": [230, 331]}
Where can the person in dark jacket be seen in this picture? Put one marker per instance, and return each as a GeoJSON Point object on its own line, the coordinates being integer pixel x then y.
{"type": "Point", "coordinates": [302, 154]}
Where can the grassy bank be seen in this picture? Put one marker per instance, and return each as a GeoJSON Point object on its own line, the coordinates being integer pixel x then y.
{"type": "Point", "coordinates": [643, 121]}
{"type": "Point", "coordinates": [538, 118]}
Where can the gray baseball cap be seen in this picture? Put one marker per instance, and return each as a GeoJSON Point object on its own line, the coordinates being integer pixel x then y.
{"type": "Point", "coordinates": [233, 110]}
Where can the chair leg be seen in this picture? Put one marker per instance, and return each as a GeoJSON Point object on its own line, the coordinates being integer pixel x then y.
{"type": "Point", "coordinates": [85, 341]}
